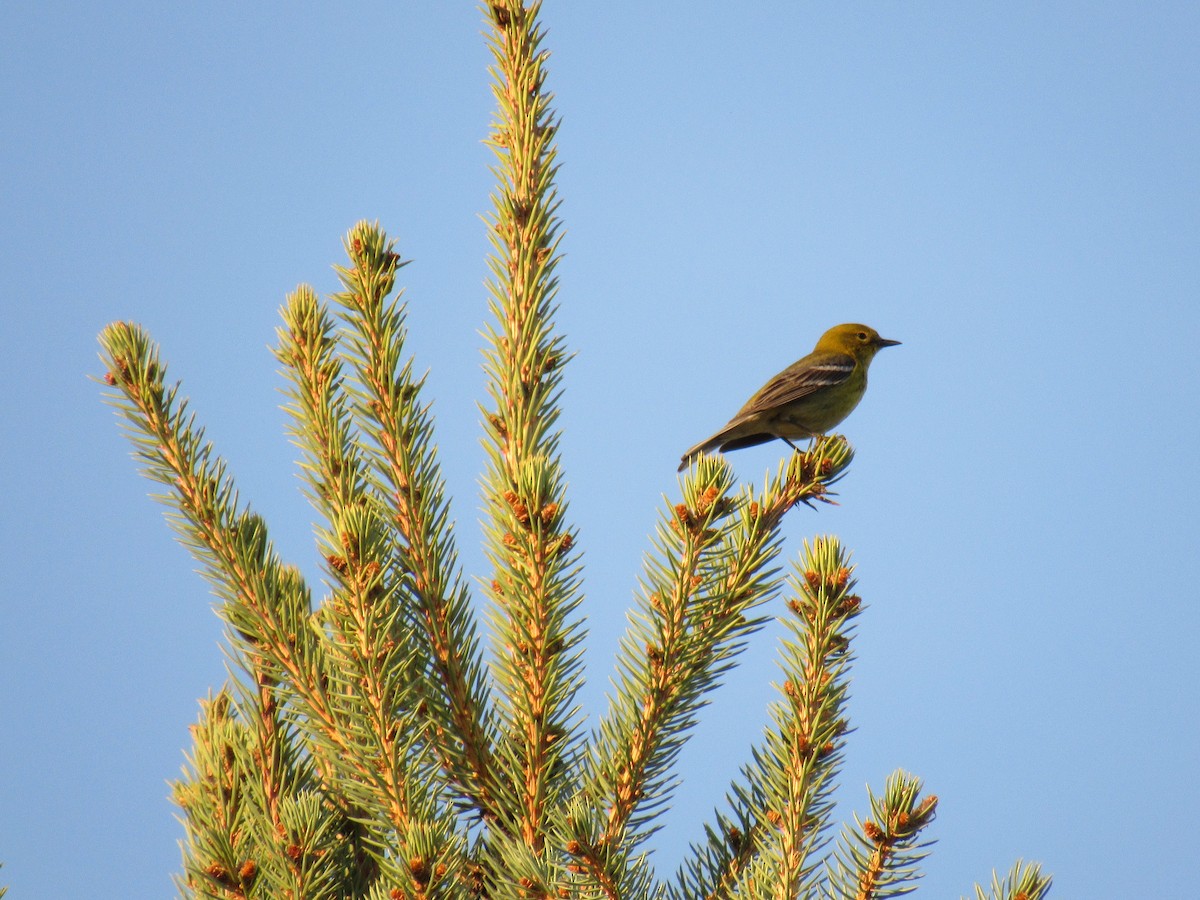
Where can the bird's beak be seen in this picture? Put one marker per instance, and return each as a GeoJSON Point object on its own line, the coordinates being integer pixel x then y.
{"type": "Point", "coordinates": [884, 342]}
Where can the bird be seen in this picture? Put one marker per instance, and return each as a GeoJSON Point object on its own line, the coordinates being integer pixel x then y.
{"type": "Point", "coordinates": [806, 399]}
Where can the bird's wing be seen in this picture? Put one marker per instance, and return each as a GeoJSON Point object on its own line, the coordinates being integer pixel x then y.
{"type": "Point", "coordinates": [799, 380]}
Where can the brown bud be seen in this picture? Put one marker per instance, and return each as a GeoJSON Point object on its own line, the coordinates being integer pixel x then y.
{"type": "Point", "coordinates": [419, 868]}
{"type": "Point", "coordinates": [927, 808]}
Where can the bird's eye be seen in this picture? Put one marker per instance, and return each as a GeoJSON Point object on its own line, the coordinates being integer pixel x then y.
{"type": "Point", "coordinates": [862, 335]}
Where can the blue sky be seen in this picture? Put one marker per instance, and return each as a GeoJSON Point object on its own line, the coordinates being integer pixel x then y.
{"type": "Point", "coordinates": [1011, 189]}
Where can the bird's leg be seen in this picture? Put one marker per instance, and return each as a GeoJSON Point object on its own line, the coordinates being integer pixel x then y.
{"type": "Point", "coordinates": [790, 444]}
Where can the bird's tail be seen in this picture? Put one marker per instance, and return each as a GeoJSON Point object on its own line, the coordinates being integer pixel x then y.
{"type": "Point", "coordinates": [705, 446]}
{"type": "Point", "coordinates": [737, 434]}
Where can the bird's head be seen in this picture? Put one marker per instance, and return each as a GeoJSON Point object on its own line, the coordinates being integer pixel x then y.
{"type": "Point", "coordinates": [860, 341]}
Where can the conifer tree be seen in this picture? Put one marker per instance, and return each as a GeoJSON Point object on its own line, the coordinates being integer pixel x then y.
{"type": "Point", "coordinates": [370, 744]}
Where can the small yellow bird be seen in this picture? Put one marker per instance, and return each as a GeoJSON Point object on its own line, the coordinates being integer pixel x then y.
{"type": "Point", "coordinates": [806, 399]}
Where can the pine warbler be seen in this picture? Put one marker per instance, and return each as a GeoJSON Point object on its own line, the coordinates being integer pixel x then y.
{"type": "Point", "coordinates": [806, 399]}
